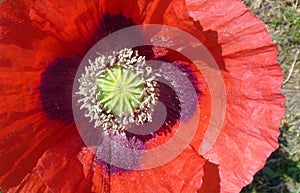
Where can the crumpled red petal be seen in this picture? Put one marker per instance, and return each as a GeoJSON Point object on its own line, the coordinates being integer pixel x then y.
{"type": "Point", "coordinates": [76, 27]}
{"type": "Point", "coordinates": [69, 168]}
{"type": "Point", "coordinates": [62, 171]}
{"type": "Point", "coordinates": [16, 24]}
{"type": "Point", "coordinates": [211, 179]}
{"type": "Point", "coordinates": [183, 174]}
{"type": "Point", "coordinates": [253, 80]}
{"type": "Point", "coordinates": [23, 144]}
{"type": "Point", "coordinates": [186, 172]}
{"type": "Point", "coordinates": [25, 130]}
{"type": "Point", "coordinates": [31, 183]}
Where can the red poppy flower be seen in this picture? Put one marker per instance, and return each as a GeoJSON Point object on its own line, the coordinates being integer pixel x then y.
{"type": "Point", "coordinates": [43, 45]}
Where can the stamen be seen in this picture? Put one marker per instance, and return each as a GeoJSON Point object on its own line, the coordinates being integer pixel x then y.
{"type": "Point", "coordinates": [118, 90]}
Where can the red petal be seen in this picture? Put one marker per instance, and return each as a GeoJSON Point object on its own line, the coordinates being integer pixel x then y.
{"type": "Point", "coordinates": [204, 117]}
{"type": "Point", "coordinates": [22, 144]}
{"type": "Point", "coordinates": [15, 25]}
{"type": "Point", "coordinates": [76, 28]}
{"type": "Point", "coordinates": [53, 18]}
{"type": "Point", "coordinates": [183, 174]}
{"type": "Point", "coordinates": [18, 37]}
{"type": "Point", "coordinates": [254, 104]}
{"type": "Point", "coordinates": [31, 183]}
{"type": "Point", "coordinates": [172, 13]}
{"type": "Point", "coordinates": [25, 132]}
{"type": "Point", "coordinates": [211, 179]}
{"type": "Point", "coordinates": [62, 171]}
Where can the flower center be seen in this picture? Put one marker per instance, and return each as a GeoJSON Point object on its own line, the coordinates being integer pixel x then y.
{"type": "Point", "coordinates": [120, 91]}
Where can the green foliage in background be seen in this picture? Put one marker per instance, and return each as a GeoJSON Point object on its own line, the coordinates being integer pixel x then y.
{"type": "Point", "coordinates": [281, 173]}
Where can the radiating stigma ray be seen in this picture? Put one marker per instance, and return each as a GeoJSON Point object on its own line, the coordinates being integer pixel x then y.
{"type": "Point", "coordinates": [121, 90]}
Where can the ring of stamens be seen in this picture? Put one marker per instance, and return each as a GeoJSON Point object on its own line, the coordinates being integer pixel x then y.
{"type": "Point", "coordinates": [118, 90]}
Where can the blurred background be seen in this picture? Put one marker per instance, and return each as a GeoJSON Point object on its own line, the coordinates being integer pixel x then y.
{"type": "Point", "coordinates": [282, 170]}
